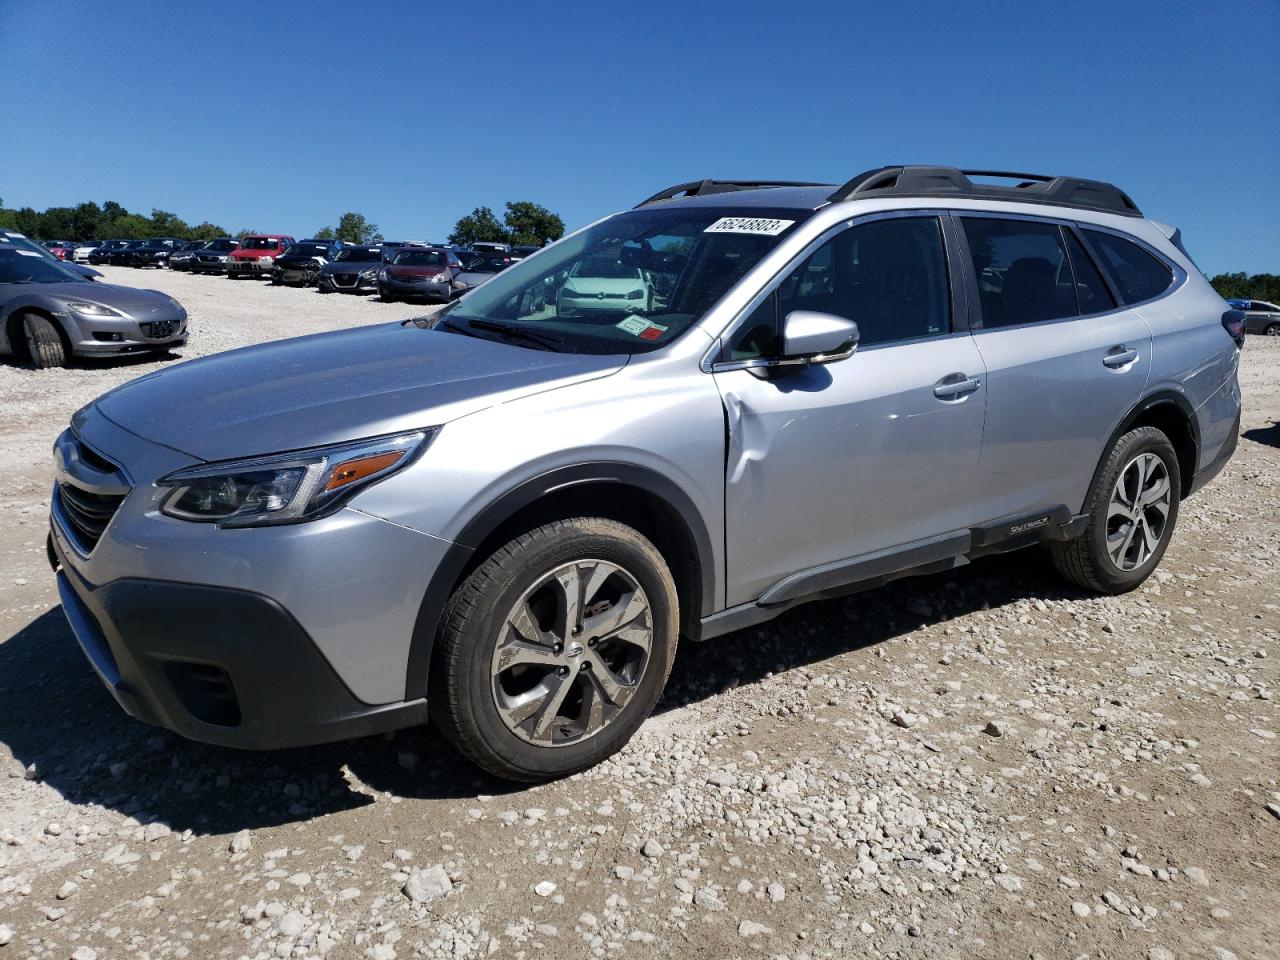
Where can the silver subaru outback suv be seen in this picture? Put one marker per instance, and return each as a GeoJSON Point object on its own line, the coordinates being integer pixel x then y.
{"type": "Point", "coordinates": [502, 518]}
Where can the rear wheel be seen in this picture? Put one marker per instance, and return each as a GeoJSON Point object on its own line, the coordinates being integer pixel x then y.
{"type": "Point", "coordinates": [45, 346]}
{"type": "Point", "coordinates": [555, 650]}
{"type": "Point", "coordinates": [1272, 330]}
{"type": "Point", "coordinates": [1132, 509]}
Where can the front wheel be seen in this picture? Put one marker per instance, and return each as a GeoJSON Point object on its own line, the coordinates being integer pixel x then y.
{"type": "Point", "coordinates": [44, 342]}
{"type": "Point", "coordinates": [555, 649]}
{"type": "Point", "coordinates": [1272, 330]}
{"type": "Point", "coordinates": [1132, 509]}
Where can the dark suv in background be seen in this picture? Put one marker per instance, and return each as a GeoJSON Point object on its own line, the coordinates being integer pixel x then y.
{"type": "Point", "coordinates": [300, 264]}
{"type": "Point", "coordinates": [213, 256]}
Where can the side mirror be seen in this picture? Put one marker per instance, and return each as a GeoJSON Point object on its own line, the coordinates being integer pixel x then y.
{"type": "Point", "coordinates": [812, 337]}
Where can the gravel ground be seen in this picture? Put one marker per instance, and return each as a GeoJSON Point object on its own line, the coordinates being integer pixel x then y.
{"type": "Point", "coordinates": [979, 764]}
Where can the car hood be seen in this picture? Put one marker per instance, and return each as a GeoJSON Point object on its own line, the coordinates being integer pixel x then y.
{"type": "Point", "coordinates": [253, 254]}
{"type": "Point", "coordinates": [414, 272]}
{"type": "Point", "coordinates": [139, 304]}
{"type": "Point", "coordinates": [350, 266]}
{"type": "Point", "coordinates": [285, 258]}
{"type": "Point", "coordinates": [332, 387]}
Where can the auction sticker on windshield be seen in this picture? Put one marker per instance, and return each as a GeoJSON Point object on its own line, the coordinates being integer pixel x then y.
{"type": "Point", "coordinates": [761, 226]}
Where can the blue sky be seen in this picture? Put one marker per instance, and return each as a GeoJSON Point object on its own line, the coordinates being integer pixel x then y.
{"type": "Point", "coordinates": [288, 114]}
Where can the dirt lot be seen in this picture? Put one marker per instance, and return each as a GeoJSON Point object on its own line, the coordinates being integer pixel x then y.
{"type": "Point", "coordinates": [980, 764]}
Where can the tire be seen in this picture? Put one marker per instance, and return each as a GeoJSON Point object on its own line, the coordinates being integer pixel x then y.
{"type": "Point", "coordinates": [1087, 561]}
{"type": "Point", "coordinates": [623, 570]}
{"type": "Point", "coordinates": [1272, 330]}
{"type": "Point", "coordinates": [44, 342]}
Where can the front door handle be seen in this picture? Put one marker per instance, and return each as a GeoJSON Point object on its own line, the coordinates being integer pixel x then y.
{"type": "Point", "coordinates": [955, 386]}
{"type": "Point", "coordinates": [1120, 356]}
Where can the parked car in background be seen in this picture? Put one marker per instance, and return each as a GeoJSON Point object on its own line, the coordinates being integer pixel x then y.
{"type": "Point", "coordinates": [49, 313]}
{"type": "Point", "coordinates": [257, 254]}
{"type": "Point", "coordinates": [62, 249]}
{"type": "Point", "coordinates": [300, 264]}
{"type": "Point", "coordinates": [1259, 316]}
{"type": "Point", "coordinates": [102, 253]}
{"type": "Point", "coordinates": [182, 256]}
{"type": "Point", "coordinates": [603, 284]}
{"type": "Point", "coordinates": [481, 267]}
{"type": "Point", "coordinates": [123, 256]}
{"type": "Point", "coordinates": [11, 239]}
{"type": "Point", "coordinates": [214, 255]}
{"type": "Point", "coordinates": [83, 248]}
{"type": "Point", "coordinates": [488, 246]}
{"type": "Point", "coordinates": [354, 269]}
{"type": "Point", "coordinates": [520, 251]}
{"type": "Point", "coordinates": [429, 272]}
{"type": "Point", "coordinates": [154, 252]}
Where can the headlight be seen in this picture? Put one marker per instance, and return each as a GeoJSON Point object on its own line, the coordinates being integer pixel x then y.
{"type": "Point", "coordinates": [635, 294]}
{"type": "Point", "coordinates": [443, 277]}
{"type": "Point", "coordinates": [382, 274]}
{"type": "Point", "coordinates": [370, 273]}
{"type": "Point", "coordinates": [93, 309]}
{"type": "Point", "coordinates": [289, 488]}
{"type": "Point", "coordinates": [266, 259]}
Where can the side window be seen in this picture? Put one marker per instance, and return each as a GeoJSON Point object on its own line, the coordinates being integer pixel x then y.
{"type": "Point", "coordinates": [1091, 290]}
{"type": "Point", "coordinates": [1138, 275]}
{"type": "Point", "coordinates": [1022, 270]}
{"type": "Point", "coordinates": [889, 276]}
{"type": "Point", "coordinates": [758, 334]}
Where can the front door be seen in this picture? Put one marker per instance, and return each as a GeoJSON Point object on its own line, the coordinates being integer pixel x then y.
{"type": "Point", "coordinates": [866, 454]}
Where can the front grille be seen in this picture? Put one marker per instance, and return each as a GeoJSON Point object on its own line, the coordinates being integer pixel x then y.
{"type": "Point", "coordinates": [159, 328]}
{"type": "Point", "coordinates": [210, 259]}
{"type": "Point", "coordinates": [88, 513]}
{"type": "Point", "coordinates": [344, 279]}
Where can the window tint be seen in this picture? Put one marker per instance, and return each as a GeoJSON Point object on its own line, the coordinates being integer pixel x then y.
{"type": "Point", "coordinates": [889, 276]}
{"type": "Point", "coordinates": [1022, 270]}
{"type": "Point", "coordinates": [1091, 290]}
{"type": "Point", "coordinates": [1138, 274]}
{"type": "Point", "coordinates": [758, 334]}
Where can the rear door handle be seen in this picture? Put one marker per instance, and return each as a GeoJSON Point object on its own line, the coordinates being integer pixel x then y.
{"type": "Point", "coordinates": [955, 386]}
{"type": "Point", "coordinates": [1120, 356]}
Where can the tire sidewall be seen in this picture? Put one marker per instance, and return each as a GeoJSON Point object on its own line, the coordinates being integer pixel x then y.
{"type": "Point", "coordinates": [1129, 446]}
{"type": "Point", "coordinates": [528, 562]}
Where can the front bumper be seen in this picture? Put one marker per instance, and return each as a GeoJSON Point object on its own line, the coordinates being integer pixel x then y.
{"type": "Point", "coordinates": [261, 268]}
{"type": "Point", "coordinates": [228, 667]}
{"type": "Point", "coordinates": [348, 282]}
{"type": "Point", "coordinates": [291, 275]}
{"type": "Point", "coordinates": [107, 335]}
{"type": "Point", "coordinates": [201, 265]}
{"type": "Point", "coordinates": [416, 288]}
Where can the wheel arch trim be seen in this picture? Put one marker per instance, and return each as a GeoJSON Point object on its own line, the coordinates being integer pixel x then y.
{"type": "Point", "coordinates": [1158, 398]}
{"type": "Point", "coordinates": [490, 518]}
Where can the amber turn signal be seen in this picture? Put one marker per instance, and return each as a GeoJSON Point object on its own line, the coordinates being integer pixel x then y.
{"type": "Point", "coordinates": [353, 470]}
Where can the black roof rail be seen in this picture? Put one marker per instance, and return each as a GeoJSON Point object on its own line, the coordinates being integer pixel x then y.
{"type": "Point", "coordinates": [699, 188]}
{"type": "Point", "coordinates": [924, 181]}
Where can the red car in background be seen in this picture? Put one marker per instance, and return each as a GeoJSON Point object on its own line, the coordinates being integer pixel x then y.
{"type": "Point", "coordinates": [257, 255]}
{"type": "Point", "coordinates": [62, 249]}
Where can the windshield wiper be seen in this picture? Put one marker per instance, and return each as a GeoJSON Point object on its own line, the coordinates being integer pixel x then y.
{"type": "Point", "coordinates": [515, 332]}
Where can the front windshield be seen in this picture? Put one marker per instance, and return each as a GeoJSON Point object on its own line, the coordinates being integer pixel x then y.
{"type": "Point", "coordinates": [258, 243]}
{"type": "Point", "coordinates": [25, 266]}
{"type": "Point", "coordinates": [629, 284]}
{"type": "Point", "coordinates": [358, 255]}
{"type": "Point", "coordinates": [222, 245]}
{"type": "Point", "coordinates": [421, 258]}
{"type": "Point", "coordinates": [309, 250]}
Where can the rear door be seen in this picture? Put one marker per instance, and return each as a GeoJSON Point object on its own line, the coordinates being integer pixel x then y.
{"type": "Point", "coordinates": [833, 463]}
{"type": "Point", "coordinates": [1064, 362]}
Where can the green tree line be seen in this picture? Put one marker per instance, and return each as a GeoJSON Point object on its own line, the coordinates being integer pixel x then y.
{"type": "Point", "coordinates": [524, 223]}
{"type": "Point", "coordinates": [1244, 286]}
{"type": "Point", "coordinates": [111, 221]}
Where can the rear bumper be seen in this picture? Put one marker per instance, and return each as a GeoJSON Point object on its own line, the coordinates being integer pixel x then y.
{"type": "Point", "coordinates": [1209, 470]}
{"type": "Point", "coordinates": [219, 665]}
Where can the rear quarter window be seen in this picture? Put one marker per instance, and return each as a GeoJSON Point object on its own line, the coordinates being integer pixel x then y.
{"type": "Point", "coordinates": [1137, 274]}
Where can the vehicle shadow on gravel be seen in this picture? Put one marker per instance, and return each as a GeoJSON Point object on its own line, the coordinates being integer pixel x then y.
{"type": "Point", "coordinates": [55, 713]}
{"type": "Point", "coordinates": [1267, 436]}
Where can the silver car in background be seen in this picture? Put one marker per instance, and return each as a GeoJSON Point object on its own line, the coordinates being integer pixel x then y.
{"type": "Point", "coordinates": [49, 314]}
{"type": "Point", "coordinates": [504, 517]}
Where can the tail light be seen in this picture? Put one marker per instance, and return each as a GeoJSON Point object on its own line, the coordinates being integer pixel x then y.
{"type": "Point", "coordinates": [1233, 323]}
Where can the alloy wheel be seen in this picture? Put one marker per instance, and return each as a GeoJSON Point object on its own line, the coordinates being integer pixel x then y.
{"type": "Point", "coordinates": [1138, 513]}
{"type": "Point", "coordinates": [571, 653]}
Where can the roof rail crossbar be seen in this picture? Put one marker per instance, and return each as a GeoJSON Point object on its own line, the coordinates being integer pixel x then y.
{"type": "Point", "coordinates": [925, 181]}
{"type": "Point", "coordinates": [699, 188]}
